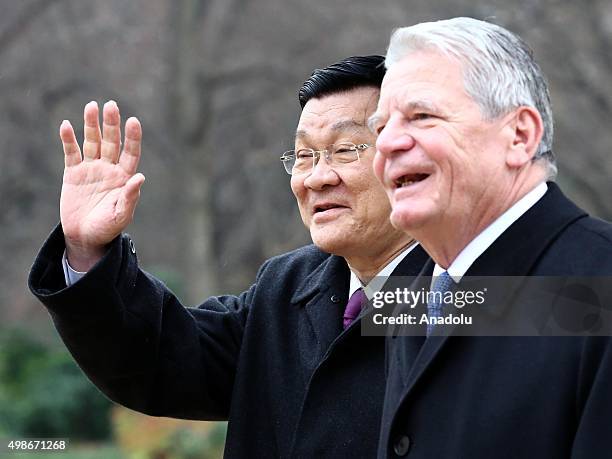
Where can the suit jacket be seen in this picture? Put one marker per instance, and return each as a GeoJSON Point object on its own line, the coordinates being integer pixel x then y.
{"type": "Point", "coordinates": [273, 360]}
{"type": "Point", "coordinates": [509, 397]}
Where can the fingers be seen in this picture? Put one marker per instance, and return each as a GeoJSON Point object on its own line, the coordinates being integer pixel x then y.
{"type": "Point", "coordinates": [126, 204]}
{"type": "Point", "coordinates": [72, 152]}
{"type": "Point", "coordinates": [111, 132]}
{"type": "Point", "coordinates": [106, 144]}
{"type": "Point", "coordinates": [92, 135]}
{"type": "Point", "coordinates": [131, 147]}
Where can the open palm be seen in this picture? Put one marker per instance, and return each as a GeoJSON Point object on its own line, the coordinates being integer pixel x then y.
{"type": "Point", "coordinates": [100, 189]}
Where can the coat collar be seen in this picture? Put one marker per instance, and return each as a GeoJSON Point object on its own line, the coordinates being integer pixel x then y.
{"type": "Point", "coordinates": [332, 272]}
{"type": "Point", "coordinates": [323, 295]}
{"type": "Point", "coordinates": [518, 249]}
{"type": "Point", "coordinates": [326, 274]}
{"type": "Point", "coordinates": [412, 264]}
{"type": "Point", "coordinates": [514, 253]}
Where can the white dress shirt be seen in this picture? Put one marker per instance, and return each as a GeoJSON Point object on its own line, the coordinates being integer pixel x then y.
{"type": "Point", "coordinates": [490, 234]}
{"type": "Point", "coordinates": [70, 274]}
{"type": "Point", "coordinates": [379, 280]}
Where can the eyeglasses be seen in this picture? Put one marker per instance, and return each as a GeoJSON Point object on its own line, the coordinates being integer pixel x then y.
{"type": "Point", "coordinates": [304, 160]}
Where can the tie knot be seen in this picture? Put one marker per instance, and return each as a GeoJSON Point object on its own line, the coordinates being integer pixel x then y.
{"type": "Point", "coordinates": [442, 283]}
{"type": "Point", "coordinates": [354, 306]}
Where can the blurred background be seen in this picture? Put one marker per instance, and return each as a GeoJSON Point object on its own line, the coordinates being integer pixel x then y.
{"type": "Point", "coordinates": [214, 83]}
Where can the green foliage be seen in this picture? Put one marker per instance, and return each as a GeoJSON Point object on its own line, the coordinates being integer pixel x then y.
{"type": "Point", "coordinates": [44, 394]}
{"type": "Point", "coordinates": [146, 437]}
{"type": "Point", "coordinates": [186, 443]}
{"type": "Point", "coordinates": [20, 357]}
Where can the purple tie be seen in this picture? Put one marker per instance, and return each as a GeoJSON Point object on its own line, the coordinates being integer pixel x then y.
{"type": "Point", "coordinates": [353, 307]}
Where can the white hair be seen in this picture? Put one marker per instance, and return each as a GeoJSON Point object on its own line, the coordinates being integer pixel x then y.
{"type": "Point", "coordinates": [499, 70]}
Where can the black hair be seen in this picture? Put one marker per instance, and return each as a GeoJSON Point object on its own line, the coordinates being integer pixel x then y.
{"type": "Point", "coordinates": [350, 73]}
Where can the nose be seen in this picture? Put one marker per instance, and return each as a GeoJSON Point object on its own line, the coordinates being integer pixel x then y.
{"type": "Point", "coordinates": [322, 175]}
{"type": "Point", "coordinates": [394, 138]}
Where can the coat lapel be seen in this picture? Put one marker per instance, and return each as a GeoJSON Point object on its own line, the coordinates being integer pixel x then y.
{"type": "Point", "coordinates": [321, 299]}
{"type": "Point", "coordinates": [405, 349]}
{"type": "Point", "coordinates": [514, 253]}
{"type": "Point", "coordinates": [411, 266]}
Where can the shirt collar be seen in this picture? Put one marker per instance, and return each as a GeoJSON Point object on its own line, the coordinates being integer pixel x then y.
{"type": "Point", "coordinates": [487, 237]}
{"type": "Point", "coordinates": [379, 280]}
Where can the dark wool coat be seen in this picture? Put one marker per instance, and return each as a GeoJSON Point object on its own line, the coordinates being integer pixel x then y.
{"type": "Point", "coordinates": [273, 360]}
{"type": "Point", "coordinates": [510, 397]}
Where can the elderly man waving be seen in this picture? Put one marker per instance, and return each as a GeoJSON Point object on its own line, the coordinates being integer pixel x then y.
{"type": "Point", "coordinates": [284, 361]}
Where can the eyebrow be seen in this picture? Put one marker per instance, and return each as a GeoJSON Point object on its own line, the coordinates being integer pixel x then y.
{"type": "Point", "coordinates": [420, 105]}
{"type": "Point", "coordinates": [413, 106]}
{"type": "Point", "coordinates": [345, 125]}
{"type": "Point", "coordinates": [301, 134]}
{"type": "Point", "coordinates": [338, 126]}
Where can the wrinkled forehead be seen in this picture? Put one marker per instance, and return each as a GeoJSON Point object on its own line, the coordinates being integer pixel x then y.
{"type": "Point", "coordinates": [422, 78]}
{"type": "Point", "coordinates": [340, 127]}
{"type": "Point", "coordinates": [344, 113]}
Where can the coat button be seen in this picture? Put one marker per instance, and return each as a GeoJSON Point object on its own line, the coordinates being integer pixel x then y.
{"type": "Point", "coordinates": [402, 445]}
{"type": "Point", "coordinates": [132, 246]}
{"type": "Point", "coordinates": [335, 299]}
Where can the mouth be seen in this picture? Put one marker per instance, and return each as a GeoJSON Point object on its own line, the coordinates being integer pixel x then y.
{"type": "Point", "coordinates": [324, 207]}
{"type": "Point", "coordinates": [409, 179]}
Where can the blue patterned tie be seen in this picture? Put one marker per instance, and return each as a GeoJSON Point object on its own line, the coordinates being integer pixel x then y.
{"type": "Point", "coordinates": [441, 284]}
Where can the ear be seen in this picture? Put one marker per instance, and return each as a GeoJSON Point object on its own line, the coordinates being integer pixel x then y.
{"type": "Point", "coordinates": [526, 130]}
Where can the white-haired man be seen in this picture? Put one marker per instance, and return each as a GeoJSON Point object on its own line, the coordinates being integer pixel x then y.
{"type": "Point", "coordinates": [465, 155]}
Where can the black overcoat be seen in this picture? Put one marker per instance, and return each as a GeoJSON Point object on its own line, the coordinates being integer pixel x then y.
{"type": "Point", "coordinates": [273, 360]}
{"type": "Point", "coordinates": [510, 397]}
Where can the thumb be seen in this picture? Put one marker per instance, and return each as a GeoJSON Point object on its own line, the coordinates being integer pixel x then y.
{"type": "Point", "coordinates": [126, 204]}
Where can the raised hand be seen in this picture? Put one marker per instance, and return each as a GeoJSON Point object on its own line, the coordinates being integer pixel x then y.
{"type": "Point", "coordinates": [100, 190]}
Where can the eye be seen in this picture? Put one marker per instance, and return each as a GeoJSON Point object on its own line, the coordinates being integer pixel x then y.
{"type": "Point", "coordinates": [375, 125]}
{"type": "Point", "coordinates": [345, 149]}
{"type": "Point", "coordinates": [376, 130]}
{"type": "Point", "coordinates": [422, 116]}
{"type": "Point", "coordinates": [304, 154]}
